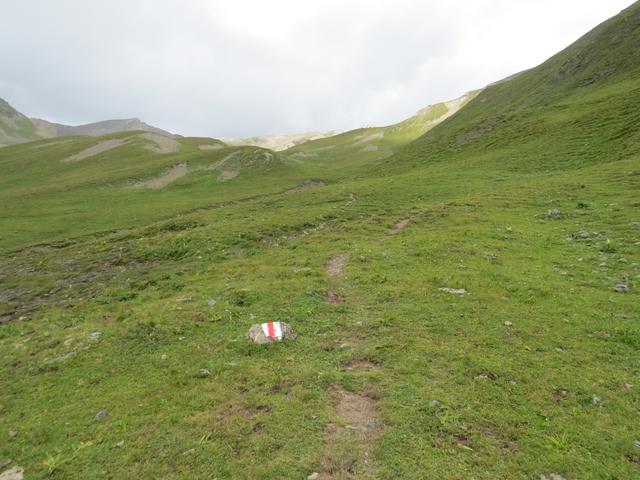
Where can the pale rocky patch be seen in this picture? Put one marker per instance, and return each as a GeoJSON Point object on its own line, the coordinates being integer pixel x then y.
{"type": "Point", "coordinates": [160, 143]}
{"type": "Point", "coordinates": [98, 148]}
{"type": "Point", "coordinates": [168, 177]}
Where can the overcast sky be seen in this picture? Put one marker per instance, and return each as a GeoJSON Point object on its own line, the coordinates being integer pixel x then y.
{"type": "Point", "coordinates": [244, 67]}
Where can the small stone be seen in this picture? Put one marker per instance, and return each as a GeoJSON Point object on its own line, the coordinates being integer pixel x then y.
{"type": "Point", "coordinates": [181, 338]}
{"type": "Point", "coordinates": [559, 350]}
{"type": "Point", "coordinates": [359, 323]}
{"type": "Point", "coordinates": [313, 476]}
{"type": "Point", "coordinates": [13, 433]}
{"type": "Point", "coordinates": [552, 476]}
{"type": "Point", "coordinates": [508, 323]}
{"type": "Point", "coordinates": [621, 288]}
{"type": "Point", "coordinates": [163, 356]}
{"type": "Point", "coordinates": [553, 214]}
{"type": "Point", "coordinates": [628, 386]}
{"type": "Point", "coordinates": [16, 473]}
{"type": "Point", "coordinates": [512, 382]}
{"type": "Point", "coordinates": [204, 372]}
{"type": "Point", "coordinates": [596, 400]}
{"type": "Point", "coordinates": [211, 302]}
{"type": "Point", "coordinates": [101, 414]}
{"type": "Point", "coordinates": [453, 291]}
{"type": "Point", "coordinates": [95, 335]}
{"type": "Point", "coordinates": [120, 444]}
{"type": "Point", "coordinates": [636, 444]}
{"type": "Point", "coordinates": [434, 403]}
{"type": "Point", "coordinates": [482, 376]}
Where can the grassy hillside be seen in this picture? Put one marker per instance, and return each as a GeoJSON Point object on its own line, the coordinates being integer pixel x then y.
{"type": "Point", "coordinates": [454, 302]}
{"type": "Point", "coordinates": [354, 150]}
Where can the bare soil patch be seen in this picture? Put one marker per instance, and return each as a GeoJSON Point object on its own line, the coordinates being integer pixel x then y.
{"type": "Point", "coordinates": [398, 227]}
{"type": "Point", "coordinates": [350, 441]}
{"type": "Point", "coordinates": [160, 143]}
{"type": "Point", "coordinates": [335, 265]}
{"type": "Point", "coordinates": [226, 175]}
{"type": "Point", "coordinates": [334, 298]}
{"type": "Point", "coordinates": [98, 148]}
{"type": "Point", "coordinates": [171, 175]}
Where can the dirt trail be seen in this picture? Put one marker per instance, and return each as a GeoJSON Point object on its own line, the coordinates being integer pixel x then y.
{"type": "Point", "coordinates": [398, 227]}
{"type": "Point", "coordinates": [350, 442]}
{"type": "Point", "coordinates": [161, 181]}
{"type": "Point", "coordinates": [335, 265]}
{"type": "Point", "coordinates": [100, 147]}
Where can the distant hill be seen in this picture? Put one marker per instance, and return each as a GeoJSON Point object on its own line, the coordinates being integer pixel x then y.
{"type": "Point", "coordinates": [279, 142]}
{"type": "Point", "coordinates": [16, 127]}
{"type": "Point", "coordinates": [47, 129]}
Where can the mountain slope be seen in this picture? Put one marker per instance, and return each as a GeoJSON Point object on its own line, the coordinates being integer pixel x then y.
{"type": "Point", "coordinates": [18, 128]}
{"type": "Point", "coordinates": [355, 149]}
{"type": "Point", "coordinates": [15, 127]}
{"type": "Point", "coordinates": [583, 101]}
{"type": "Point", "coordinates": [47, 129]}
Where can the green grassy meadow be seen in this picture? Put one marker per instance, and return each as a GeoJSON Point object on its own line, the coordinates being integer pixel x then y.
{"type": "Point", "coordinates": [124, 310]}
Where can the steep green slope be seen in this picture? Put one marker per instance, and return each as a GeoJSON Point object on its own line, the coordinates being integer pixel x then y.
{"type": "Point", "coordinates": [15, 127]}
{"type": "Point", "coordinates": [123, 354]}
{"type": "Point", "coordinates": [578, 107]}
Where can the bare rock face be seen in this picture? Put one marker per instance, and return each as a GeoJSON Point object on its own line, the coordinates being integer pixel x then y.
{"type": "Point", "coordinates": [270, 332]}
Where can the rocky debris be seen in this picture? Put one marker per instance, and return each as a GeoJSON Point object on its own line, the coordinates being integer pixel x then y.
{"type": "Point", "coordinates": [101, 414]}
{"type": "Point", "coordinates": [508, 323]}
{"type": "Point", "coordinates": [454, 291]}
{"type": "Point", "coordinates": [16, 473]}
{"type": "Point", "coordinates": [621, 288]}
{"type": "Point", "coordinates": [552, 476]}
{"type": "Point", "coordinates": [62, 358]}
{"type": "Point", "coordinates": [553, 214]}
{"type": "Point", "coordinates": [260, 333]}
{"type": "Point", "coordinates": [581, 235]}
{"type": "Point", "coordinates": [13, 433]}
{"type": "Point", "coordinates": [313, 476]}
{"type": "Point", "coordinates": [596, 400]}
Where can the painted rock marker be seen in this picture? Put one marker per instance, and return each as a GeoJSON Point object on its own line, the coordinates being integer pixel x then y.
{"type": "Point", "coordinates": [270, 332]}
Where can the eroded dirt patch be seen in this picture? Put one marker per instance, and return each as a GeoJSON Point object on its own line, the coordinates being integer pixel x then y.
{"type": "Point", "coordinates": [334, 298]}
{"type": "Point", "coordinates": [228, 175]}
{"type": "Point", "coordinates": [335, 265]}
{"type": "Point", "coordinates": [366, 138]}
{"type": "Point", "coordinates": [170, 176]}
{"type": "Point", "coordinates": [398, 227]}
{"type": "Point", "coordinates": [160, 143]}
{"type": "Point", "coordinates": [98, 148]}
{"type": "Point", "coordinates": [351, 440]}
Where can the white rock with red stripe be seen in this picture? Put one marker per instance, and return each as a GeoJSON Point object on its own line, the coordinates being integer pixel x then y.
{"type": "Point", "coordinates": [271, 332]}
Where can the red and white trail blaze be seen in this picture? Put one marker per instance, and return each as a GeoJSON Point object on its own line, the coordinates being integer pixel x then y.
{"type": "Point", "coordinates": [272, 330]}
